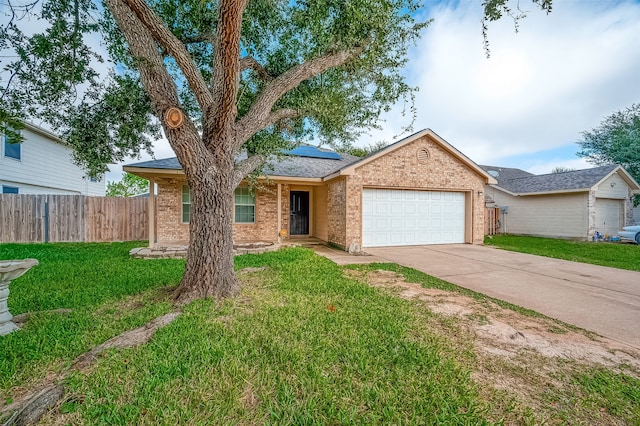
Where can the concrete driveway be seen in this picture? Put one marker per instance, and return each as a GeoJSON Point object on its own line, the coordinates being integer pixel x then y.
{"type": "Point", "coordinates": [596, 298]}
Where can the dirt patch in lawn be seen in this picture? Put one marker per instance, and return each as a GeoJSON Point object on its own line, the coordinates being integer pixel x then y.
{"type": "Point", "coordinates": [507, 333]}
{"type": "Point", "coordinates": [515, 354]}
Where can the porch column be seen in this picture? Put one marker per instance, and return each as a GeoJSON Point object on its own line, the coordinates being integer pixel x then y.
{"type": "Point", "coordinates": [279, 212]}
{"type": "Point", "coordinates": [152, 213]}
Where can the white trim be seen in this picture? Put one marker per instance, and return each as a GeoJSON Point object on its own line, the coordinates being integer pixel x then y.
{"type": "Point", "coordinates": [255, 201]}
{"type": "Point", "coordinates": [4, 145]}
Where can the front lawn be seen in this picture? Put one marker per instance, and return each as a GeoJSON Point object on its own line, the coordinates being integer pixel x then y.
{"type": "Point", "coordinates": [614, 255]}
{"type": "Point", "coordinates": [79, 296]}
{"type": "Point", "coordinates": [305, 343]}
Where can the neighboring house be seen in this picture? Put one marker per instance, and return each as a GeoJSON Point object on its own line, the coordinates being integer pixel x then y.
{"type": "Point", "coordinates": [572, 204]}
{"type": "Point", "coordinates": [42, 164]}
{"type": "Point", "coordinates": [420, 190]}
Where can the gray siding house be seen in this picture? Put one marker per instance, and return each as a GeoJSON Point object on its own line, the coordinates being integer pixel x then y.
{"type": "Point", "coordinates": [571, 205]}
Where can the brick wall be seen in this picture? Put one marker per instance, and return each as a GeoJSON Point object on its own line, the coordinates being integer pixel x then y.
{"type": "Point", "coordinates": [337, 202]}
{"type": "Point", "coordinates": [169, 212]}
{"type": "Point", "coordinates": [266, 224]}
{"type": "Point", "coordinates": [171, 230]}
{"type": "Point", "coordinates": [398, 169]}
{"type": "Point", "coordinates": [401, 169]}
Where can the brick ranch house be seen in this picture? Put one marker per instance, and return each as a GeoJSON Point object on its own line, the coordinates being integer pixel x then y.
{"type": "Point", "coordinates": [419, 190]}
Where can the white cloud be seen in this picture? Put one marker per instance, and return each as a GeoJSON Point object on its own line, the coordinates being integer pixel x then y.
{"type": "Point", "coordinates": [559, 75]}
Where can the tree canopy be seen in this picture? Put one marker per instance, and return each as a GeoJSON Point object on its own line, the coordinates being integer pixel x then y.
{"type": "Point", "coordinates": [562, 169]}
{"type": "Point", "coordinates": [129, 186]}
{"type": "Point", "coordinates": [615, 141]}
{"type": "Point", "coordinates": [78, 75]}
{"type": "Point", "coordinates": [59, 75]}
{"type": "Point", "coordinates": [219, 78]}
{"type": "Point", "coordinates": [363, 151]}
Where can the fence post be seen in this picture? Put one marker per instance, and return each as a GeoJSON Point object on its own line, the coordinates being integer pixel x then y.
{"type": "Point", "coordinates": [46, 219]}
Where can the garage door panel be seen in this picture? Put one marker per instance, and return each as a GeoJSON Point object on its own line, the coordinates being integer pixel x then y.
{"type": "Point", "coordinates": [404, 217]}
{"type": "Point", "coordinates": [396, 224]}
{"type": "Point", "coordinates": [409, 208]}
{"type": "Point", "coordinates": [608, 216]}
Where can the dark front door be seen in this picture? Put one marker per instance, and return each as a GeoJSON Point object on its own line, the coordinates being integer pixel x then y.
{"type": "Point", "coordinates": [299, 214]}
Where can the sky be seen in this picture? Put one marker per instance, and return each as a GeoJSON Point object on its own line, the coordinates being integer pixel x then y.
{"type": "Point", "coordinates": [527, 104]}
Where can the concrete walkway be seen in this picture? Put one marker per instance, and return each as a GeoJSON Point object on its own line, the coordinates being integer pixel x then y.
{"type": "Point", "coordinates": [596, 298]}
{"type": "Point", "coordinates": [341, 257]}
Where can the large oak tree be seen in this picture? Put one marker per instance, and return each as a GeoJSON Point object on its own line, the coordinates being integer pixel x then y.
{"type": "Point", "coordinates": [251, 76]}
{"type": "Point", "coordinates": [615, 141]}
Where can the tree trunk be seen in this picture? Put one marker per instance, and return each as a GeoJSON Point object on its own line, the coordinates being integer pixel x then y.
{"type": "Point", "coordinates": [209, 267]}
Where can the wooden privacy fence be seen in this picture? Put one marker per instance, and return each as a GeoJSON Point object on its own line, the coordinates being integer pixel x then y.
{"type": "Point", "coordinates": [492, 224]}
{"type": "Point", "coordinates": [72, 218]}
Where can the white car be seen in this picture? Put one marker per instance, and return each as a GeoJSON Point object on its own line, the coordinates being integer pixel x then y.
{"type": "Point", "coordinates": [630, 233]}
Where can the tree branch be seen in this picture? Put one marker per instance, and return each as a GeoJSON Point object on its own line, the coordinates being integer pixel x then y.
{"type": "Point", "coordinates": [246, 166]}
{"type": "Point", "coordinates": [225, 79]}
{"type": "Point", "coordinates": [260, 115]}
{"type": "Point", "coordinates": [175, 48]}
{"type": "Point", "coordinates": [158, 84]}
{"type": "Point", "coordinates": [249, 62]}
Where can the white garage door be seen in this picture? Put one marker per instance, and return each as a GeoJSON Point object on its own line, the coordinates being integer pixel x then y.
{"type": "Point", "coordinates": [608, 216]}
{"type": "Point", "coordinates": [392, 217]}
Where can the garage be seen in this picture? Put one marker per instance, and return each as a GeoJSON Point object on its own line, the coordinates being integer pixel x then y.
{"type": "Point", "coordinates": [394, 217]}
{"type": "Point", "coordinates": [608, 216]}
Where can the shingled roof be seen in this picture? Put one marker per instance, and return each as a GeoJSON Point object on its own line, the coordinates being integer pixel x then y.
{"type": "Point", "coordinates": [503, 174]}
{"type": "Point", "coordinates": [521, 182]}
{"type": "Point", "coordinates": [290, 165]}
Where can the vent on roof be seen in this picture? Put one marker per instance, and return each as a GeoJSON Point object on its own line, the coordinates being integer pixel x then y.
{"type": "Point", "coordinates": [423, 155]}
{"type": "Point", "coordinates": [313, 152]}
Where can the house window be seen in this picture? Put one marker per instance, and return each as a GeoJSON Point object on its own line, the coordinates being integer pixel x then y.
{"type": "Point", "coordinates": [93, 179]}
{"type": "Point", "coordinates": [10, 189]}
{"type": "Point", "coordinates": [186, 204]}
{"type": "Point", "coordinates": [244, 206]}
{"type": "Point", "coordinates": [12, 150]}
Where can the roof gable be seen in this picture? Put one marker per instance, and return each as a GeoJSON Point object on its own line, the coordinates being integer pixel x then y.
{"type": "Point", "coordinates": [350, 169]}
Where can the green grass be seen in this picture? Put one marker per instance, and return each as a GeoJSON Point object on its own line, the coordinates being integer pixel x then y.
{"type": "Point", "coordinates": [615, 255]}
{"type": "Point", "coordinates": [414, 276]}
{"type": "Point", "coordinates": [616, 393]}
{"type": "Point", "coordinates": [302, 344]}
{"type": "Point", "coordinates": [93, 281]}
{"type": "Point", "coordinates": [596, 393]}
